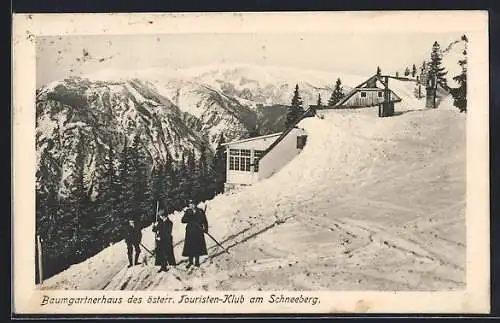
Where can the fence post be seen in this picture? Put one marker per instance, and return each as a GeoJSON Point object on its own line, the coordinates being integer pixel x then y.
{"type": "Point", "coordinates": [40, 259]}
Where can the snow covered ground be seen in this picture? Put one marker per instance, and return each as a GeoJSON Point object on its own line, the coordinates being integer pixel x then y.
{"type": "Point", "coordinates": [370, 204]}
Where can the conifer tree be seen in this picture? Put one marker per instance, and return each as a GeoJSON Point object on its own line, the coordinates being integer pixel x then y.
{"type": "Point", "coordinates": [337, 94]}
{"type": "Point", "coordinates": [407, 71]}
{"type": "Point", "coordinates": [106, 202]}
{"type": "Point", "coordinates": [423, 67]}
{"type": "Point", "coordinates": [185, 180]}
{"type": "Point", "coordinates": [413, 71]}
{"type": "Point", "coordinates": [295, 110]}
{"type": "Point", "coordinates": [460, 93]}
{"type": "Point", "coordinates": [201, 184]}
{"type": "Point", "coordinates": [78, 201]}
{"type": "Point", "coordinates": [159, 182]}
{"type": "Point", "coordinates": [139, 179]}
{"type": "Point", "coordinates": [48, 174]}
{"type": "Point", "coordinates": [169, 184]}
{"type": "Point", "coordinates": [219, 164]}
{"type": "Point", "coordinates": [436, 70]}
{"type": "Point", "coordinates": [379, 71]}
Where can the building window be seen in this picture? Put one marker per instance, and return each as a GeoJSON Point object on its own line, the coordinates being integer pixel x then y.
{"type": "Point", "coordinates": [380, 94]}
{"type": "Point", "coordinates": [239, 159]}
{"type": "Point", "coordinates": [256, 156]}
{"type": "Point", "coordinates": [301, 141]}
{"type": "Point", "coordinates": [363, 94]}
{"type": "Point", "coordinates": [245, 152]}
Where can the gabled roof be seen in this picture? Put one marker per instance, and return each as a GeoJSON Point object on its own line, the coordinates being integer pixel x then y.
{"type": "Point", "coordinates": [358, 87]}
{"type": "Point", "coordinates": [286, 132]}
{"type": "Point", "coordinates": [251, 139]}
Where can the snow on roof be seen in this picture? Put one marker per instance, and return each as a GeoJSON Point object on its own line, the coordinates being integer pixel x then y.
{"type": "Point", "coordinates": [251, 139]}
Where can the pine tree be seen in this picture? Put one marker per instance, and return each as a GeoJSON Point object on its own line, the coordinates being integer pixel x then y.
{"type": "Point", "coordinates": [337, 94]}
{"type": "Point", "coordinates": [185, 180]}
{"type": "Point", "coordinates": [436, 71]}
{"type": "Point", "coordinates": [173, 179]}
{"type": "Point", "coordinates": [78, 201]}
{"type": "Point", "coordinates": [407, 71]}
{"type": "Point", "coordinates": [159, 185]}
{"type": "Point", "coordinates": [295, 110]}
{"type": "Point", "coordinates": [219, 164]}
{"type": "Point", "coordinates": [124, 202]}
{"type": "Point", "coordinates": [379, 71]}
{"type": "Point", "coordinates": [48, 175]}
{"type": "Point", "coordinates": [201, 184]}
{"type": "Point", "coordinates": [423, 67]}
{"type": "Point", "coordinates": [138, 181]}
{"type": "Point", "coordinates": [413, 71]}
{"type": "Point", "coordinates": [107, 201]}
{"type": "Point", "coordinates": [397, 74]}
{"type": "Point", "coordinates": [460, 94]}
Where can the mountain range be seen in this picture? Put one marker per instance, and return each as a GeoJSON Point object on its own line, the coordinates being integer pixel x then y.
{"type": "Point", "coordinates": [172, 110]}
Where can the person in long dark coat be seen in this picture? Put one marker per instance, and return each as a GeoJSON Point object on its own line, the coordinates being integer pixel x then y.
{"type": "Point", "coordinates": [165, 247]}
{"type": "Point", "coordinates": [133, 237]}
{"type": "Point", "coordinates": [194, 242]}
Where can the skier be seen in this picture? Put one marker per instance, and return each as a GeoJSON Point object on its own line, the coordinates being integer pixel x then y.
{"type": "Point", "coordinates": [194, 242]}
{"type": "Point", "coordinates": [133, 237]}
{"type": "Point", "coordinates": [165, 249]}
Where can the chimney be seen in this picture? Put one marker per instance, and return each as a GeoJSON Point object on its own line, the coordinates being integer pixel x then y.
{"type": "Point", "coordinates": [387, 92]}
{"type": "Point", "coordinates": [386, 108]}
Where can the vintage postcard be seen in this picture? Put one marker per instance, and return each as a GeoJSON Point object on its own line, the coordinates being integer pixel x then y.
{"type": "Point", "coordinates": [305, 162]}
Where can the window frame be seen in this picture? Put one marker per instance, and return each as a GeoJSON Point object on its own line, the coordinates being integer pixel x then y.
{"type": "Point", "coordinates": [257, 154]}
{"type": "Point", "coordinates": [240, 160]}
{"type": "Point", "coordinates": [301, 141]}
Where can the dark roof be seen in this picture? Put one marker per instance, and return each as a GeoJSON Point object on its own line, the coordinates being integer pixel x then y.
{"type": "Point", "coordinates": [286, 132]}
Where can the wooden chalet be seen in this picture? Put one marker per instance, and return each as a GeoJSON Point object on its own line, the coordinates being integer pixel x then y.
{"type": "Point", "coordinates": [367, 94]}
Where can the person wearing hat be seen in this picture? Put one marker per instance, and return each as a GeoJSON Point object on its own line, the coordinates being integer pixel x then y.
{"type": "Point", "coordinates": [165, 247]}
{"type": "Point", "coordinates": [194, 242]}
{"type": "Point", "coordinates": [133, 237]}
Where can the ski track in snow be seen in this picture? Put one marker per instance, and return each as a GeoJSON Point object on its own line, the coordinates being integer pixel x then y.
{"type": "Point", "coordinates": [377, 204]}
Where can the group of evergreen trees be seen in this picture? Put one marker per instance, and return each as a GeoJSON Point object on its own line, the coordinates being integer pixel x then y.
{"type": "Point", "coordinates": [437, 74]}
{"type": "Point", "coordinates": [410, 72]}
{"type": "Point", "coordinates": [460, 93]}
{"type": "Point", "coordinates": [296, 109]}
{"type": "Point", "coordinates": [76, 227]}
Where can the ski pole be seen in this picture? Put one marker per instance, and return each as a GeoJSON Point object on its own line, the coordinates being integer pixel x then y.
{"type": "Point", "coordinates": [156, 218]}
{"type": "Point", "coordinates": [208, 234]}
{"type": "Point", "coordinates": [150, 252]}
{"type": "Point", "coordinates": [217, 242]}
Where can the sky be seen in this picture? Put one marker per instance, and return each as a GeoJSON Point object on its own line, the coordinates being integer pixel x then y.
{"type": "Point", "coordinates": [58, 57]}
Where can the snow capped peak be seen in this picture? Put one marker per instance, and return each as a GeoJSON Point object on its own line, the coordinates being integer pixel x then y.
{"type": "Point", "coordinates": [156, 73]}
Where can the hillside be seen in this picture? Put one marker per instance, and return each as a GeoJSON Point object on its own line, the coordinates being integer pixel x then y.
{"type": "Point", "coordinates": [174, 111]}
{"type": "Point", "coordinates": [371, 203]}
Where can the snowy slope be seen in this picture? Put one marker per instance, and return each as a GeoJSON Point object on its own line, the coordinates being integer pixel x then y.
{"type": "Point", "coordinates": [406, 90]}
{"type": "Point", "coordinates": [376, 203]}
